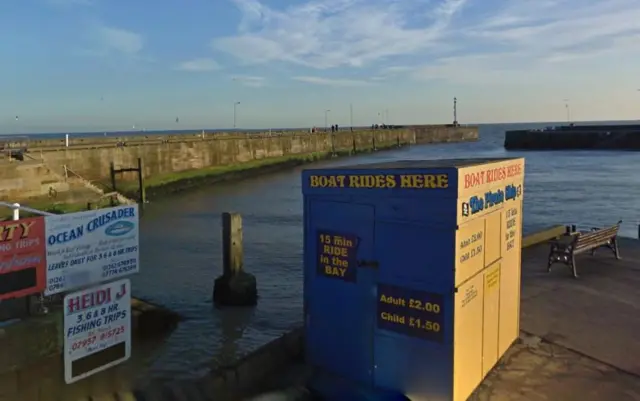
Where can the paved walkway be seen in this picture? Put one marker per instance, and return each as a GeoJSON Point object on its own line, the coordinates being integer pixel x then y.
{"type": "Point", "coordinates": [580, 337]}
{"type": "Point", "coordinates": [597, 315]}
{"type": "Point", "coordinates": [533, 370]}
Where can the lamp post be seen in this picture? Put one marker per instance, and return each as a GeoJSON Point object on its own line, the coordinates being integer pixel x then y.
{"type": "Point", "coordinates": [568, 108]}
{"type": "Point", "coordinates": [235, 111]}
{"type": "Point", "coordinates": [455, 111]}
{"type": "Point", "coordinates": [326, 114]}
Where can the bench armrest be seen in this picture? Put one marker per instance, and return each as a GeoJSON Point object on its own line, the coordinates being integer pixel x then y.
{"type": "Point", "coordinates": [561, 245]}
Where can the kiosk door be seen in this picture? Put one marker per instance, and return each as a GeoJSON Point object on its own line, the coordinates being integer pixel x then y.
{"type": "Point", "coordinates": [339, 312]}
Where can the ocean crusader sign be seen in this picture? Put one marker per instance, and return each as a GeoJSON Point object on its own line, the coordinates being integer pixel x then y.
{"type": "Point", "coordinates": [97, 329]}
{"type": "Point", "coordinates": [90, 247]}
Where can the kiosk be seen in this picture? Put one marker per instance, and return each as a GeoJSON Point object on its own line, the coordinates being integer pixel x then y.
{"type": "Point", "coordinates": [411, 275]}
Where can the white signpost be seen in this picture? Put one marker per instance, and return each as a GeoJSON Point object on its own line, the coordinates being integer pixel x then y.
{"type": "Point", "coordinates": [97, 329]}
{"type": "Point", "coordinates": [90, 247]}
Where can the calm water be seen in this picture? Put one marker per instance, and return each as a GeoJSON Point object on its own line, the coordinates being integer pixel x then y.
{"type": "Point", "coordinates": [181, 239]}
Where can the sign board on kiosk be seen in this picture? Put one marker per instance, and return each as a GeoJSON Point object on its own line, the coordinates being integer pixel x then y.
{"type": "Point", "coordinates": [22, 257]}
{"type": "Point", "coordinates": [411, 275]}
{"type": "Point", "coordinates": [90, 247]}
{"type": "Point", "coordinates": [97, 329]}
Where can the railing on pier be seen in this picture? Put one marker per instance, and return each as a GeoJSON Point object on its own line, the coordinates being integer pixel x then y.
{"type": "Point", "coordinates": [16, 207]}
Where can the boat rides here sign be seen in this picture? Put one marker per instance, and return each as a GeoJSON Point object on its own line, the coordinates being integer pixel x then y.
{"type": "Point", "coordinates": [97, 329]}
{"type": "Point", "coordinates": [87, 248]}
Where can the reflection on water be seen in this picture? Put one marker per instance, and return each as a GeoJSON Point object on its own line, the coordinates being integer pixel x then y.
{"type": "Point", "coordinates": [181, 244]}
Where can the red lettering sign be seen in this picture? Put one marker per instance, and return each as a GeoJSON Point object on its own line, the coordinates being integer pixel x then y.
{"type": "Point", "coordinates": [89, 300]}
{"type": "Point", "coordinates": [22, 257]}
{"type": "Point", "coordinates": [492, 175]}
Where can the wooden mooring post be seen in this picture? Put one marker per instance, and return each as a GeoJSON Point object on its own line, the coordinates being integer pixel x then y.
{"type": "Point", "coordinates": [232, 255]}
{"type": "Point", "coordinates": [235, 287]}
{"type": "Point", "coordinates": [142, 198]}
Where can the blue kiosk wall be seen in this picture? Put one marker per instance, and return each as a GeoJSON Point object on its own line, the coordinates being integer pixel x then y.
{"type": "Point", "coordinates": [401, 260]}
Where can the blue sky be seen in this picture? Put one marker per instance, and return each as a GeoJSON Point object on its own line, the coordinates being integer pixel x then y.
{"type": "Point", "coordinates": [110, 64]}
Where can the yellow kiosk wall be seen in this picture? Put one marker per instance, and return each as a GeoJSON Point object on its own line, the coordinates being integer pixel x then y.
{"type": "Point", "coordinates": [487, 276]}
{"type": "Point", "coordinates": [510, 276]}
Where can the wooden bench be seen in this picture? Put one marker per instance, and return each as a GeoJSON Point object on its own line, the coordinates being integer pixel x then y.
{"type": "Point", "coordinates": [565, 250]}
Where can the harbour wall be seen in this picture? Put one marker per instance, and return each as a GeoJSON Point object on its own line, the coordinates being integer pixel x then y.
{"type": "Point", "coordinates": [578, 138]}
{"type": "Point", "coordinates": [90, 158]}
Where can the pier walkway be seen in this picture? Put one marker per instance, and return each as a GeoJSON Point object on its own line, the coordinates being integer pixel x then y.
{"type": "Point", "coordinates": [579, 337]}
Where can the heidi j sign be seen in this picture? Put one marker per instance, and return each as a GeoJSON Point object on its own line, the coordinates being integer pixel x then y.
{"type": "Point", "coordinates": [90, 247]}
{"type": "Point", "coordinates": [97, 329]}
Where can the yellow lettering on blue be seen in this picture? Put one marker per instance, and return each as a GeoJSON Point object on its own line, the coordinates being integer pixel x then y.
{"type": "Point", "coordinates": [381, 181]}
{"type": "Point", "coordinates": [335, 271]}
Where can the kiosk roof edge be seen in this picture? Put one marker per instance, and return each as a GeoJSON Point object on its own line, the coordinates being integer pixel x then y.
{"type": "Point", "coordinates": [417, 164]}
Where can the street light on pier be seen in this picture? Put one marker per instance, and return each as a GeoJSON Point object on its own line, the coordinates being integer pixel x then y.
{"type": "Point", "coordinates": [455, 111]}
{"type": "Point", "coordinates": [568, 108]}
{"type": "Point", "coordinates": [235, 111]}
{"type": "Point", "coordinates": [326, 115]}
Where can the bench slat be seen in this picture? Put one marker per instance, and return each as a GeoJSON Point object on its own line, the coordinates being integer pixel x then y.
{"type": "Point", "coordinates": [607, 233]}
{"type": "Point", "coordinates": [593, 238]}
{"type": "Point", "coordinates": [593, 241]}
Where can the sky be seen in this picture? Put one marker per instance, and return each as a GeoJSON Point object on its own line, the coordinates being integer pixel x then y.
{"type": "Point", "coordinates": [78, 65]}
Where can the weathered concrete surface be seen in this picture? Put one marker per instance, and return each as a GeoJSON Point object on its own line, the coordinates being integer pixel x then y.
{"type": "Point", "coordinates": [579, 339]}
{"type": "Point", "coordinates": [575, 137]}
{"type": "Point", "coordinates": [174, 155]}
{"type": "Point", "coordinates": [255, 372]}
{"type": "Point", "coordinates": [32, 179]}
{"type": "Point", "coordinates": [533, 370]}
{"type": "Point", "coordinates": [597, 315]}
{"type": "Point", "coordinates": [444, 133]}
{"type": "Point", "coordinates": [90, 157]}
{"type": "Point", "coordinates": [543, 235]}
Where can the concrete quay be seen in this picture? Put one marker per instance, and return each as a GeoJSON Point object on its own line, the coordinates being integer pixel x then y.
{"type": "Point", "coordinates": [579, 337]}
{"type": "Point", "coordinates": [577, 342]}
{"type": "Point", "coordinates": [52, 168]}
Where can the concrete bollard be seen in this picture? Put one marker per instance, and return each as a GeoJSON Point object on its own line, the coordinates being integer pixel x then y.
{"type": "Point", "coordinates": [234, 287]}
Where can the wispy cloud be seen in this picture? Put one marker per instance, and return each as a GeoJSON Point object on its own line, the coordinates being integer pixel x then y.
{"type": "Point", "coordinates": [119, 40]}
{"type": "Point", "coordinates": [452, 40]}
{"type": "Point", "coordinates": [332, 82]}
{"type": "Point", "coordinates": [199, 65]}
{"type": "Point", "coordinates": [530, 41]}
{"type": "Point", "coordinates": [547, 25]}
{"type": "Point", "coordinates": [334, 33]}
{"type": "Point", "coordinates": [250, 81]}
{"type": "Point", "coordinates": [71, 2]}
